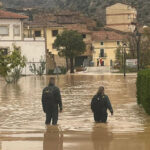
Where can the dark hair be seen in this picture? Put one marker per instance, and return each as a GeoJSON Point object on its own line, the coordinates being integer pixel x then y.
{"type": "Point", "coordinates": [52, 80]}
{"type": "Point", "coordinates": [100, 91]}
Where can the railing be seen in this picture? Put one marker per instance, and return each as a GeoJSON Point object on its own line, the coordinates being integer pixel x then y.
{"type": "Point", "coordinates": [103, 56]}
{"type": "Point", "coordinates": [34, 37]}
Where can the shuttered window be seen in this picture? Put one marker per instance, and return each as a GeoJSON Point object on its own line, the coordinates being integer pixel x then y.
{"type": "Point", "coordinates": [4, 30]}
{"type": "Point", "coordinates": [16, 30]}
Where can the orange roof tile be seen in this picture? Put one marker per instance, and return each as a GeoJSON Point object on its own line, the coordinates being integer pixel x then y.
{"type": "Point", "coordinates": [11, 15]}
{"type": "Point", "coordinates": [106, 35]}
{"type": "Point", "coordinates": [81, 28]}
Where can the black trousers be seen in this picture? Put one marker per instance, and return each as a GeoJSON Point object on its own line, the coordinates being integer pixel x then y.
{"type": "Point", "coordinates": [52, 116]}
{"type": "Point", "coordinates": [99, 117]}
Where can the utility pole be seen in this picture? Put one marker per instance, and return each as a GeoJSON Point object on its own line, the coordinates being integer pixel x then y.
{"type": "Point", "coordinates": [138, 39]}
{"type": "Point", "coordinates": [124, 59]}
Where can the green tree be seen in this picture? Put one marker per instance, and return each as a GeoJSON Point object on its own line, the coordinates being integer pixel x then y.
{"type": "Point", "coordinates": [119, 57]}
{"type": "Point", "coordinates": [70, 44]}
{"type": "Point", "coordinates": [145, 49]}
{"type": "Point", "coordinates": [11, 65]}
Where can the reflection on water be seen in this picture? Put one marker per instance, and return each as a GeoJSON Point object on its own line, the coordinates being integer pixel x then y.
{"type": "Point", "coordinates": [101, 137]}
{"type": "Point", "coordinates": [21, 115]}
{"type": "Point", "coordinates": [53, 138]}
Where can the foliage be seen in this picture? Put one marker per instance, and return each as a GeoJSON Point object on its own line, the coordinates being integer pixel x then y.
{"type": "Point", "coordinates": [11, 65]}
{"type": "Point", "coordinates": [63, 70]}
{"type": "Point", "coordinates": [119, 57]}
{"type": "Point", "coordinates": [145, 49]}
{"type": "Point", "coordinates": [39, 70]}
{"type": "Point", "coordinates": [143, 86]}
{"type": "Point", "coordinates": [70, 44]}
{"type": "Point", "coordinates": [93, 8]}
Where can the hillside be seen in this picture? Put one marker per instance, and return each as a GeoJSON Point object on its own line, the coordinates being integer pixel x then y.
{"type": "Point", "coordinates": [93, 8]}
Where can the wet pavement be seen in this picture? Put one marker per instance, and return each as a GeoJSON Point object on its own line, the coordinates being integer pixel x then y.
{"type": "Point", "coordinates": [22, 119]}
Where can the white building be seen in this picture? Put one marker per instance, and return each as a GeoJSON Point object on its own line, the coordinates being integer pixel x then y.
{"type": "Point", "coordinates": [11, 33]}
{"type": "Point", "coordinates": [121, 17]}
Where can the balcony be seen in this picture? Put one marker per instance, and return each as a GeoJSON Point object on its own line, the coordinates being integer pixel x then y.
{"type": "Point", "coordinates": [104, 56]}
{"type": "Point", "coordinates": [33, 37]}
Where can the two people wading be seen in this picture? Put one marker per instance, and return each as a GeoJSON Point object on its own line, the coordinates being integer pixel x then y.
{"type": "Point", "coordinates": [52, 104]}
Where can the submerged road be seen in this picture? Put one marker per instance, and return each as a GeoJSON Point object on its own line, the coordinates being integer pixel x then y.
{"type": "Point", "coordinates": [22, 119]}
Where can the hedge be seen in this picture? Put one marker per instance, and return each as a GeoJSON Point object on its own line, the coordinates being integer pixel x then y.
{"type": "Point", "coordinates": [143, 89]}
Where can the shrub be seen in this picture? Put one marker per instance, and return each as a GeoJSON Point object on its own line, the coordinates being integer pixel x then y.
{"type": "Point", "coordinates": [143, 89]}
{"type": "Point", "coordinates": [11, 64]}
{"type": "Point", "coordinates": [62, 69]}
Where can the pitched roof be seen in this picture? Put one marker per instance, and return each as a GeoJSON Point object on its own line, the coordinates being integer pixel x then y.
{"type": "Point", "coordinates": [81, 28]}
{"type": "Point", "coordinates": [11, 15]}
{"type": "Point", "coordinates": [107, 35]}
{"type": "Point", "coordinates": [40, 24]}
{"type": "Point", "coordinates": [123, 4]}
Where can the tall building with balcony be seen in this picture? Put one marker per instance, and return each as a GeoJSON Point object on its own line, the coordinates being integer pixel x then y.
{"type": "Point", "coordinates": [121, 17]}
{"type": "Point", "coordinates": [105, 44]}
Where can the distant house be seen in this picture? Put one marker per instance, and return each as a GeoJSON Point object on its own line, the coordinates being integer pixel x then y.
{"type": "Point", "coordinates": [121, 17]}
{"type": "Point", "coordinates": [40, 28]}
{"type": "Point", "coordinates": [105, 44]}
{"type": "Point", "coordinates": [53, 24]}
{"type": "Point", "coordinates": [11, 33]}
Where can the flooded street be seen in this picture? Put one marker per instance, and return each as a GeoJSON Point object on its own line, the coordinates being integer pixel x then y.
{"type": "Point", "coordinates": [22, 119]}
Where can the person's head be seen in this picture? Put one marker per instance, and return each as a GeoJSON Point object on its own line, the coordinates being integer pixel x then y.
{"type": "Point", "coordinates": [52, 81]}
{"type": "Point", "coordinates": [101, 90]}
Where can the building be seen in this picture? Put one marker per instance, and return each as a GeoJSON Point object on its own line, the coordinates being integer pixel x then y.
{"type": "Point", "coordinates": [86, 34]}
{"type": "Point", "coordinates": [105, 44]}
{"type": "Point", "coordinates": [11, 33]}
{"type": "Point", "coordinates": [43, 28]}
{"type": "Point", "coordinates": [121, 17]}
{"type": "Point", "coordinates": [49, 25]}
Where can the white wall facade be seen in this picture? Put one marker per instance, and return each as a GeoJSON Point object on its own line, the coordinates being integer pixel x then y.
{"type": "Point", "coordinates": [32, 50]}
{"type": "Point", "coordinates": [11, 23]}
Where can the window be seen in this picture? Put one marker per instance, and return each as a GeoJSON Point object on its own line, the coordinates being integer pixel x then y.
{"type": "Point", "coordinates": [16, 30]}
{"type": "Point", "coordinates": [118, 43]}
{"type": "Point", "coordinates": [129, 16]}
{"type": "Point", "coordinates": [37, 33]}
{"type": "Point", "coordinates": [84, 36]}
{"type": "Point", "coordinates": [4, 51]}
{"type": "Point", "coordinates": [4, 30]}
{"type": "Point", "coordinates": [54, 32]}
{"type": "Point", "coordinates": [101, 53]}
{"type": "Point", "coordinates": [102, 43]}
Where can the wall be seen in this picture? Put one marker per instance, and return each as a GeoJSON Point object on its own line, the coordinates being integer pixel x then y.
{"type": "Point", "coordinates": [120, 17]}
{"type": "Point", "coordinates": [32, 50]}
{"type": "Point", "coordinates": [51, 39]}
{"type": "Point", "coordinates": [11, 23]}
{"type": "Point", "coordinates": [109, 49]}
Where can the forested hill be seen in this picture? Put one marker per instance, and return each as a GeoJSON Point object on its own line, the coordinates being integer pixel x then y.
{"type": "Point", "coordinates": [94, 8]}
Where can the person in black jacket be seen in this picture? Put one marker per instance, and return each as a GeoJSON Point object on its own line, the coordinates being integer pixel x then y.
{"type": "Point", "coordinates": [99, 105]}
{"type": "Point", "coordinates": [51, 99]}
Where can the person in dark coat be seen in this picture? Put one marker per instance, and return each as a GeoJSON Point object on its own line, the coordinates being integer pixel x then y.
{"type": "Point", "coordinates": [99, 105]}
{"type": "Point", "coordinates": [51, 99]}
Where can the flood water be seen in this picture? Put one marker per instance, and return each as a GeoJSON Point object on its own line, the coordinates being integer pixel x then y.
{"type": "Point", "coordinates": [22, 119]}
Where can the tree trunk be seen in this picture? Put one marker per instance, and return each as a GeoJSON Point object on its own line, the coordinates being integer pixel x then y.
{"type": "Point", "coordinates": [71, 65]}
{"type": "Point", "coordinates": [67, 65]}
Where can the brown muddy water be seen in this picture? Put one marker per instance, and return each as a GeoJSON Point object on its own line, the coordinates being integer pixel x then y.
{"type": "Point", "coordinates": [22, 119]}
